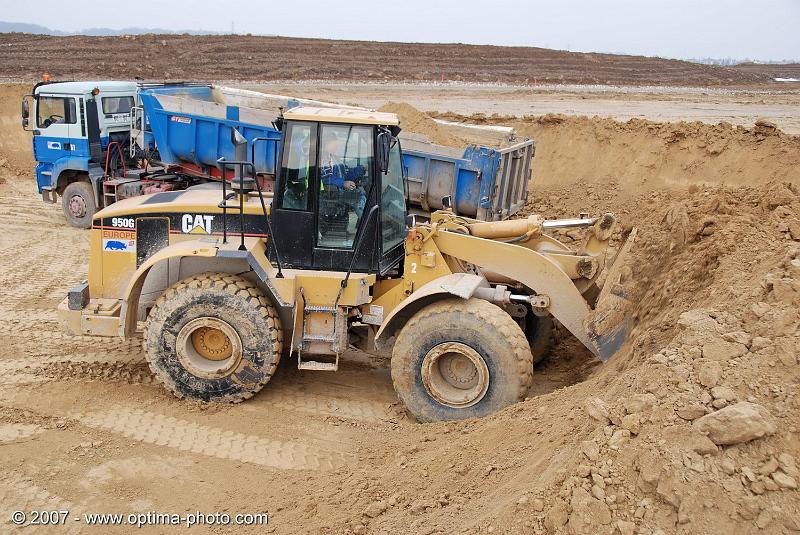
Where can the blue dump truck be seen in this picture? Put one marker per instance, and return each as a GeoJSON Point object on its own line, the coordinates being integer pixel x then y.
{"type": "Point", "coordinates": [97, 142]}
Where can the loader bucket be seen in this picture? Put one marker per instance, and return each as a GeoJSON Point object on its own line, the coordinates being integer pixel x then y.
{"type": "Point", "coordinates": [609, 323]}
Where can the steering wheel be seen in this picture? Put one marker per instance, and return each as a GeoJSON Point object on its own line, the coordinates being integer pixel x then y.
{"type": "Point", "coordinates": [53, 118]}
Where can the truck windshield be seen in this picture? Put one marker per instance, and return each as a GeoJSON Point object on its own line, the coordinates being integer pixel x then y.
{"type": "Point", "coordinates": [55, 110]}
{"type": "Point", "coordinates": [345, 177]}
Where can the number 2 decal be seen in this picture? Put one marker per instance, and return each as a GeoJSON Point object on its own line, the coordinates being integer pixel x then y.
{"type": "Point", "coordinates": [413, 267]}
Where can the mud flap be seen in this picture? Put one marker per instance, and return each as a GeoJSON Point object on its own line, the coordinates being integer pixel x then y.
{"type": "Point", "coordinates": [610, 322]}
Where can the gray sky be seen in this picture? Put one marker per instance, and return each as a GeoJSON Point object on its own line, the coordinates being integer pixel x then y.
{"type": "Point", "coordinates": [757, 29]}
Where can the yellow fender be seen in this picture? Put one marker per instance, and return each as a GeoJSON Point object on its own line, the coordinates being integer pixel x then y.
{"type": "Point", "coordinates": [462, 285]}
{"type": "Point", "coordinates": [130, 299]}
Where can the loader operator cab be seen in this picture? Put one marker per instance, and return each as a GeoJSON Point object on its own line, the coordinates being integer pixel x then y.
{"type": "Point", "coordinates": [340, 198]}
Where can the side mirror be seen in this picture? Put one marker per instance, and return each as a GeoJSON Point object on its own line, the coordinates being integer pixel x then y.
{"type": "Point", "coordinates": [27, 100]}
{"type": "Point", "coordinates": [384, 146]}
{"type": "Point", "coordinates": [411, 221]}
{"type": "Point", "coordinates": [447, 202]}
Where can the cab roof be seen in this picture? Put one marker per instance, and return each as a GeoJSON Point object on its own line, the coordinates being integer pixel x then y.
{"type": "Point", "coordinates": [338, 115]}
{"type": "Point", "coordinates": [75, 88]}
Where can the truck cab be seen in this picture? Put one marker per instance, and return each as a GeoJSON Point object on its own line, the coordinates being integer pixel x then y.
{"type": "Point", "coordinates": [80, 131]}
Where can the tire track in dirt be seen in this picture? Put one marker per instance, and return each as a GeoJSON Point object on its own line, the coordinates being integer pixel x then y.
{"type": "Point", "coordinates": [19, 494]}
{"type": "Point", "coordinates": [32, 284]}
{"type": "Point", "coordinates": [183, 435]}
{"type": "Point", "coordinates": [13, 327]}
{"type": "Point", "coordinates": [21, 346]}
{"type": "Point", "coordinates": [88, 366]}
{"type": "Point", "coordinates": [17, 432]}
{"type": "Point", "coordinates": [294, 398]}
{"type": "Point", "coordinates": [15, 320]}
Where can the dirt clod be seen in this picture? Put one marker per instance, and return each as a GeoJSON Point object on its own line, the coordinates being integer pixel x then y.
{"type": "Point", "coordinates": [738, 423]}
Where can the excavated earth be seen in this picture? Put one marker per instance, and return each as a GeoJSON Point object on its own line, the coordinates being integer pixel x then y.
{"type": "Point", "coordinates": [694, 427]}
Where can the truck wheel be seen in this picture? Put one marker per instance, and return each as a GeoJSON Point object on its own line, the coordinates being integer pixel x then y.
{"type": "Point", "coordinates": [460, 359]}
{"type": "Point", "coordinates": [79, 205]}
{"type": "Point", "coordinates": [213, 337]}
{"type": "Point", "coordinates": [539, 332]}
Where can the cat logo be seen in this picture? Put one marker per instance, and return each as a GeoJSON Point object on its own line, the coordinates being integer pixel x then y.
{"type": "Point", "coordinates": [196, 223]}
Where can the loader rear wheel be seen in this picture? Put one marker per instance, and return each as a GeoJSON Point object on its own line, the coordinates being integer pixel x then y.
{"type": "Point", "coordinates": [78, 204]}
{"type": "Point", "coordinates": [213, 337]}
{"type": "Point", "coordinates": [459, 359]}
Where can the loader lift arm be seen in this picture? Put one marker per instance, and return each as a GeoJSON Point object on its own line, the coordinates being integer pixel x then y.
{"type": "Point", "coordinates": [554, 277]}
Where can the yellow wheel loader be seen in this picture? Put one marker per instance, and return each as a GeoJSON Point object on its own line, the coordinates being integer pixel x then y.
{"type": "Point", "coordinates": [225, 281]}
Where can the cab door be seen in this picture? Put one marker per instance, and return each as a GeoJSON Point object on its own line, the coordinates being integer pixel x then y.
{"type": "Point", "coordinates": [56, 127]}
{"type": "Point", "coordinates": [292, 209]}
{"type": "Point", "coordinates": [346, 220]}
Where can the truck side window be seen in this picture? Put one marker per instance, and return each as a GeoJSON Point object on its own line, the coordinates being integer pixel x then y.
{"type": "Point", "coordinates": [393, 202]}
{"type": "Point", "coordinates": [55, 110]}
{"type": "Point", "coordinates": [298, 157]}
{"type": "Point", "coordinates": [114, 105]}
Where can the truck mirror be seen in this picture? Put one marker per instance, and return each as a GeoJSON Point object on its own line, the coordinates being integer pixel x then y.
{"type": "Point", "coordinates": [447, 202]}
{"type": "Point", "coordinates": [26, 111]}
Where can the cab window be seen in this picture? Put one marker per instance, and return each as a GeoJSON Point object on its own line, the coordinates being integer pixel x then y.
{"type": "Point", "coordinates": [345, 178]}
{"type": "Point", "coordinates": [114, 105]}
{"type": "Point", "coordinates": [296, 170]}
{"type": "Point", "coordinates": [55, 110]}
{"type": "Point", "coordinates": [393, 201]}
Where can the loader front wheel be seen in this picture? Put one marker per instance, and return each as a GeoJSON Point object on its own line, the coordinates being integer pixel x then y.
{"type": "Point", "coordinates": [539, 331]}
{"type": "Point", "coordinates": [459, 359]}
{"type": "Point", "coordinates": [213, 337]}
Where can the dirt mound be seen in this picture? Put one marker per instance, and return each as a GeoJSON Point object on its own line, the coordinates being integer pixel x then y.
{"type": "Point", "coordinates": [15, 143]}
{"type": "Point", "coordinates": [641, 153]}
{"type": "Point", "coordinates": [413, 120]}
{"type": "Point", "coordinates": [644, 154]}
{"type": "Point", "coordinates": [636, 448]}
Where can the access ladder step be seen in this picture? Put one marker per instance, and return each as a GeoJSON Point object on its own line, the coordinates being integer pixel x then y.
{"type": "Point", "coordinates": [317, 365]}
{"type": "Point", "coordinates": [318, 308]}
{"type": "Point", "coordinates": [319, 338]}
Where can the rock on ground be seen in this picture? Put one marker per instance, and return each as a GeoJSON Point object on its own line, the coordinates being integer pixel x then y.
{"type": "Point", "coordinates": [737, 423]}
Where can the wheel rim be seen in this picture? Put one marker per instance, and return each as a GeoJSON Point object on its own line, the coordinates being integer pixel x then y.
{"type": "Point", "coordinates": [77, 206]}
{"type": "Point", "coordinates": [209, 347]}
{"type": "Point", "coordinates": [455, 375]}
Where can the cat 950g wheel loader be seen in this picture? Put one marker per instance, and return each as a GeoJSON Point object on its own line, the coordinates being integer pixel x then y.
{"type": "Point", "coordinates": [229, 280]}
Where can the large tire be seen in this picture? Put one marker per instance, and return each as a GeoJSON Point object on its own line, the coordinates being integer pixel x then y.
{"type": "Point", "coordinates": [78, 204]}
{"type": "Point", "coordinates": [459, 359]}
{"type": "Point", "coordinates": [539, 332]}
{"type": "Point", "coordinates": [213, 337]}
